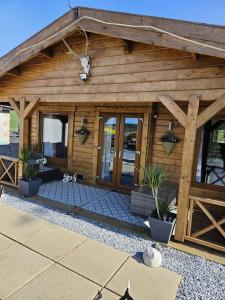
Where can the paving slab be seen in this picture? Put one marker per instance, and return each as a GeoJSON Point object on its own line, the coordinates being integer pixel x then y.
{"type": "Point", "coordinates": [19, 265]}
{"type": "Point", "coordinates": [19, 225]}
{"type": "Point", "coordinates": [57, 283]}
{"type": "Point", "coordinates": [5, 242]}
{"type": "Point", "coordinates": [55, 242]}
{"type": "Point", "coordinates": [95, 261]}
{"type": "Point", "coordinates": [146, 283]}
{"type": "Point", "coordinates": [107, 295]}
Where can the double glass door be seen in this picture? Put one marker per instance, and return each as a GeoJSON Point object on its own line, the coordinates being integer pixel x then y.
{"type": "Point", "coordinates": [119, 149]}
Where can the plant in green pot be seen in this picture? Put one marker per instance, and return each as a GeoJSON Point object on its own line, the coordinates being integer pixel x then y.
{"type": "Point", "coordinates": [29, 184]}
{"type": "Point", "coordinates": [161, 222]}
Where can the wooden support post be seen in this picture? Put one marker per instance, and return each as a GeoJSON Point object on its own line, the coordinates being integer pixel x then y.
{"type": "Point", "coordinates": [23, 139]}
{"type": "Point", "coordinates": [186, 167]}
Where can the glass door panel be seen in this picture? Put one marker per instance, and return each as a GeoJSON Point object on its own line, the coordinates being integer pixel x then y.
{"type": "Point", "coordinates": [119, 151]}
{"type": "Point", "coordinates": [108, 148]}
{"type": "Point", "coordinates": [129, 152]}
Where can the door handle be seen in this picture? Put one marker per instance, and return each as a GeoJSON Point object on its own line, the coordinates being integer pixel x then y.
{"type": "Point", "coordinates": [119, 153]}
{"type": "Point", "coordinates": [138, 152]}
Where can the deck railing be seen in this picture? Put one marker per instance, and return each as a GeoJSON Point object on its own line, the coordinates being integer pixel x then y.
{"type": "Point", "coordinates": [9, 170]}
{"type": "Point", "coordinates": [216, 218]}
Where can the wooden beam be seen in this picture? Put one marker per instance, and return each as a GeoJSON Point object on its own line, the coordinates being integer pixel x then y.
{"type": "Point", "coordinates": [14, 72]}
{"type": "Point", "coordinates": [194, 57]}
{"type": "Point", "coordinates": [47, 52]}
{"type": "Point", "coordinates": [205, 243]}
{"type": "Point", "coordinates": [30, 108]}
{"type": "Point", "coordinates": [211, 111]}
{"type": "Point", "coordinates": [186, 167]}
{"type": "Point", "coordinates": [127, 46]}
{"type": "Point", "coordinates": [14, 105]}
{"type": "Point", "coordinates": [175, 110]}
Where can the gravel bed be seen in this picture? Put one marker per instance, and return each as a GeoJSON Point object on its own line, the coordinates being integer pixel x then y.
{"type": "Point", "coordinates": [201, 278]}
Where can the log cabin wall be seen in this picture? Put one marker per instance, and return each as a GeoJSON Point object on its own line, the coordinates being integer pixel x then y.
{"type": "Point", "coordinates": [133, 72]}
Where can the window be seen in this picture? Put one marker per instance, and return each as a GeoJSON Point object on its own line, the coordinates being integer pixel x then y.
{"type": "Point", "coordinates": [9, 133]}
{"type": "Point", "coordinates": [211, 159]}
{"type": "Point", "coordinates": [55, 135]}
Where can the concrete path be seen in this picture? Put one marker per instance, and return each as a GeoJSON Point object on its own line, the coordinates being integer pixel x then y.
{"type": "Point", "coordinates": [39, 260]}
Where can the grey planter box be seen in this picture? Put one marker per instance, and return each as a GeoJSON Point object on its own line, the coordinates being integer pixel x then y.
{"type": "Point", "coordinates": [160, 230]}
{"type": "Point", "coordinates": [29, 188]}
{"type": "Point", "coordinates": [143, 203]}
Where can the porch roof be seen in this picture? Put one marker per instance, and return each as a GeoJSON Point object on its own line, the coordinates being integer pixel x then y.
{"type": "Point", "coordinates": [175, 34]}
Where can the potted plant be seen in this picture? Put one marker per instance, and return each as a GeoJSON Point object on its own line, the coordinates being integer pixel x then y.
{"type": "Point", "coordinates": [29, 184]}
{"type": "Point", "coordinates": [83, 134]}
{"type": "Point", "coordinates": [162, 221]}
{"type": "Point", "coordinates": [169, 140]}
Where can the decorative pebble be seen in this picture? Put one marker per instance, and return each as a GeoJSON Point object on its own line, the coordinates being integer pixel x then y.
{"type": "Point", "coordinates": [152, 257]}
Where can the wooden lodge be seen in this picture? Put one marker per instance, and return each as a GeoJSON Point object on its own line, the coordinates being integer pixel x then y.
{"type": "Point", "coordinates": [148, 76]}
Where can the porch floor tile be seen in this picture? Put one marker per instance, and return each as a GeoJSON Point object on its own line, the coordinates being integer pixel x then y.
{"type": "Point", "coordinates": [100, 201]}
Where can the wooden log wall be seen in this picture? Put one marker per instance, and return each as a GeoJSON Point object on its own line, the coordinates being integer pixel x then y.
{"type": "Point", "coordinates": [118, 77]}
{"type": "Point", "coordinates": [116, 74]}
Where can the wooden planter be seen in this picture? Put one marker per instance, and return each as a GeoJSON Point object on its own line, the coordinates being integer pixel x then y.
{"type": "Point", "coordinates": [143, 202]}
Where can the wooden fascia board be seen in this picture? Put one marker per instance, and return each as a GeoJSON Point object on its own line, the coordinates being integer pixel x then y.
{"type": "Point", "coordinates": [192, 30]}
{"type": "Point", "coordinates": [149, 37]}
{"type": "Point", "coordinates": [211, 111]}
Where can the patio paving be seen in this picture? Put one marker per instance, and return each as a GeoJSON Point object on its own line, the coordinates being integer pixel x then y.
{"type": "Point", "coordinates": [104, 202]}
{"type": "Point", "coordinates": [77, 272]}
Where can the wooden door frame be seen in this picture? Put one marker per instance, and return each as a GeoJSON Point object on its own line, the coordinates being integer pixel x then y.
{"type": "Point", "coordinates": [118, 147]}
{"type": "Point", "coordinates": [202, 185]}
{"type": "Point", "coordinates": [70, 114]}
{"type": "Point", "coordinates": [100, 150]}
{"type": "Point", "coordinates": [138, 147]}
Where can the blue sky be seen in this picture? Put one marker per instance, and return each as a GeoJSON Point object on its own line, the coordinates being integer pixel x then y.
{"type": "Point", "coordinates": [19, 19]}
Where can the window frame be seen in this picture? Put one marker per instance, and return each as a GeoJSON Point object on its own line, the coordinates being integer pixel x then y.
{"type": "Point", "coordinates": [195, 162]}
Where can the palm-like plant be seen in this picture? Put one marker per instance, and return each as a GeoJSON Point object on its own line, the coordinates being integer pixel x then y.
{"type": "Point", "coordinates": [28, 170]}
{"type": "Point", "coordinates": [155, 176]}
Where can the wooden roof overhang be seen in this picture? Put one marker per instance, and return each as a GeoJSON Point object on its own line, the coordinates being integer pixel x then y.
{"type": "Point", "coordinates": [66, 25]}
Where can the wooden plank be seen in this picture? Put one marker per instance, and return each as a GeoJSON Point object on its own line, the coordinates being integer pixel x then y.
{"type": "Point", "coordinates": [70, 140]}
{"type": "Point", "coordinates": [175, 110]}
{"type": "Point", "coordinates": [198, 233]}
{"type": "Point", "coordinates": [211, 111]}
{"type": "Point", "coordinates": [148, 37]}
{"type": "Point", "coordinates": [30, 108]}
{"type": "Point", "coordinates": [14, 105]}
{"type": "Point", "coordinates": [186, 167]}
{"type": "Point", "coordinates": [23, 138]}
{"type": "Point", "coordinates": [9, 158]}
{"type": "Point", "coordinates": [144, 146]}
{"type": "Point", "coordinates": [209, 201]}
{"type": "Point", "coordinates": [205, 243]}
{"type": "Point", "coordinates": [190, 216]}
{"type": "Point", "coordinates": [210, 217]}
{"type": "Point", "coordinates": [95, 152]}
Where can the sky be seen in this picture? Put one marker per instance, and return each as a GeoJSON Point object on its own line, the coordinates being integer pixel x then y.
{"type": "Point", "coordinates": [20, 19]}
